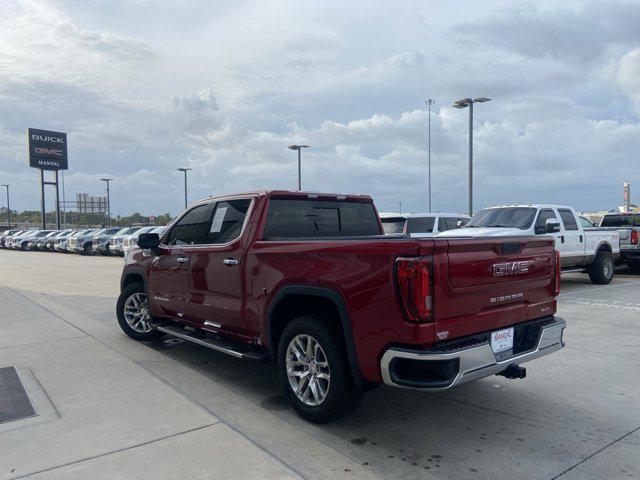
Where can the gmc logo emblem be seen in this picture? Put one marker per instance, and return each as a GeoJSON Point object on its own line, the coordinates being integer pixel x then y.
{"type": "Point", "coordinates": [509, 268]}
{"type": "Point", "coordinates": [48, 151]}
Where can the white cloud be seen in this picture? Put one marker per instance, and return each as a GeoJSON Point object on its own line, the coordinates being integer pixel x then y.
{"type": "Point", "coordinates": [629, 76]}
{"type": "Point", "coordinates": [225, 91]}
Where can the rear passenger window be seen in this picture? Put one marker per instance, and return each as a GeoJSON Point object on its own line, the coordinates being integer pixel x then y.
{"type": "Point", "coordinates": [420, 225]}
{"type": "Point", "coordinates": [568, 219]}
{"type": "Point", "coordinates": [228, 220]}
{"type": "Point", "coordinates": [319, 218]}
{"type": "Point", "coordinates": [191, 229]}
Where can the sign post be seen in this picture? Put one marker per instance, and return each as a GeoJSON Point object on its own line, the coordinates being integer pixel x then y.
{"type": "Point", "coordinates": [48, 151]}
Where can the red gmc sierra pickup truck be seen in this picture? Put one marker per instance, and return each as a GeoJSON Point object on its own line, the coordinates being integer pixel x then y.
{"type": "Point", "coordinates": [310, 281]}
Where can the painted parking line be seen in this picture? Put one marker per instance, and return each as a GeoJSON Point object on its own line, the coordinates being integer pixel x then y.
{"type": "Point", "coordinates": [589, 290]}
{"type": "Point", "coordinates": [605, 303]}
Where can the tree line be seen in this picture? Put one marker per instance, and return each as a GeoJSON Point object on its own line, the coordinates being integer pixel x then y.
{"type": "Point", "coordinates": [28, 218]}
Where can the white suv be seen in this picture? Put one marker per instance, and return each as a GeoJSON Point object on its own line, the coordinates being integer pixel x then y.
{"type": "Point", "coordinates": [421, 224]}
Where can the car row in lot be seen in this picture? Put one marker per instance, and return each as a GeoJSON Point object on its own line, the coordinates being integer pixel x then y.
{"type": "Point", "coordinates": [88, 241]}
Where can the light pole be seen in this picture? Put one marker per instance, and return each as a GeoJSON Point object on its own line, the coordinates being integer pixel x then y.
{"type": "Point", "coordinates": [468, 102]}
{"type": "Point", "coordinates": [429, 102]}
{"type": "Point", "coordinates": [8, 207]}
{"type": "Point", "coordinates": [185, 170]}
{"type": "Point", "coordinates": [107, 180]}
{"type": "Point", "coordinates": [299, 149]}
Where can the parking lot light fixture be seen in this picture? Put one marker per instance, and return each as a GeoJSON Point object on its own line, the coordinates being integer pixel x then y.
{"type": "Point", "coordinates": [184, 170]}
{"type": "Point", "coordinates": [107, 180]}
{"type": "Point", "coordinates": [299, 149]}
{"type": "Point", "coordinates": [8, 207]}
{"type": "Point", "coordinates": [464, 103]}
{"type": "Point", "coordinates": [429, 102]}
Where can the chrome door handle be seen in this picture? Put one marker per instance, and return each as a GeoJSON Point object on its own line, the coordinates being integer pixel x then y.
{"type": "Point", "coordinates": [182, 260]}
{"type": "Point", "coordinates": [230, 261]}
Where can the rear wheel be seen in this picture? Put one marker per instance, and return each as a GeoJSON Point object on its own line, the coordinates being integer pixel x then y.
{"type": "Point", "coordinates": [601, 269]}
{"type": "Point", "coordinates": [133, 313]}
{"type": "Point", "coordinates": [314, 371]}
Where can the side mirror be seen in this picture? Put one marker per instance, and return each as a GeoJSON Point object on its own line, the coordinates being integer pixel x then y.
{"type": "Point", "coordinates": [149, 241]}
{"type": "Point", "coordinates": [552, 225]}
{"type": "Point", "coordinates": [459, 224]}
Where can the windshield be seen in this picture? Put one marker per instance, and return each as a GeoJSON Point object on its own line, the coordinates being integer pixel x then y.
{"type": "Point", "coordinates": [393, 225]}
{"type": "Point", "coordinates": [511, 217]}
{"type": "Point", "coordinates": [621, 221]}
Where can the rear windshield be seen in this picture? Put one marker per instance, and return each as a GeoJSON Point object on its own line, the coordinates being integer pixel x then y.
{"type": "Point", "coordinates": [621, 221]}
{"type": "Point", "coordinates": [393, 225]}
{"type": "Point", "coordinates": [319, 218]}
{"type": "Point", "coordinates": [516, 217]}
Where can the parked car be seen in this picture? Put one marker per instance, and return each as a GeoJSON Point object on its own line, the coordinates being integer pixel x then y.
{"type": "Point", "coordinates": [65, 244]}
{"type": "Point", "coordinates": [310, 281]}
{"type": "Point", "coordinates": [115, 243]}
{"type": "Point", "coordinates": [628, 227]}
{"type": "Point", "coordinates": [37, 243]}
{"type": "Point", "coordinates": [595, 250]}
{"type": "Point", "coordinates": [129, 241]}
{"type": "Point", "coordinates": [100, 243]}
{"type": "Point", "coordinates": [421, 224]}
{"type": "Point", "coordinates": [14, 238]}
{"type": "Point", "coordinates": [8, 243]}
{"type": "Point", "coordinates": [6, 234]}
{"type": "Point", "coordinates": [585, 222]}
{"type": "Point", "coordinates": [50, 243]}
{"type": "Point", "coordinates": [27, 243]}
{"type": "Point", "coordinates": [81, 242]}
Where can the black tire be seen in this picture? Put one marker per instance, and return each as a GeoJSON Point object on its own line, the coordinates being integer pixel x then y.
{"type": "Point", "coordinates": [601, 269]}
{"type": "Point", "coordinates": [134, 288]}
{"type": "Point", "coordinates": [86, 250]}
{"type": "Point", "coordinates": [342, 396]}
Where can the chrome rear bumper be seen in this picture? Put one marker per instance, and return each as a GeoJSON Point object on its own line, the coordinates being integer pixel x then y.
{"type": "Point", "coordinates": [443, 369]}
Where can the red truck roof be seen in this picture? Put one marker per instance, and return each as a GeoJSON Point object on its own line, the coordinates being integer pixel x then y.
{"type": "Point", "coordinates": [295, 194]}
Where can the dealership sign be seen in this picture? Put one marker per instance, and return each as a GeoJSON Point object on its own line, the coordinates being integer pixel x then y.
{"type": "Point", "coordinates": [47, 150]}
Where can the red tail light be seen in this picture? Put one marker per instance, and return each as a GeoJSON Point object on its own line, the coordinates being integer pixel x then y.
{"type": "Point", "coordinates": [413, 278]}
{"type": "Point", "coordinates": [634, 237]}
{"type": "Point", "coordinates": [557, 270]}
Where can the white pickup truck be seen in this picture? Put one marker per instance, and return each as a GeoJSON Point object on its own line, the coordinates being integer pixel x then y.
{"type": "Point", "coordinates": [593, 249]}
{"type": "Point", "coordinates": [628, 227]}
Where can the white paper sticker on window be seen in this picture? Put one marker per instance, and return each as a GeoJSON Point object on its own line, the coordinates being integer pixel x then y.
{"type": "Point", "coordinates": [216, 225]}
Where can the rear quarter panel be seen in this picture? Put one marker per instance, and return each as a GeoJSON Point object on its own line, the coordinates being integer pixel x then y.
{"type": "Point", "coordinates": [360, 271]}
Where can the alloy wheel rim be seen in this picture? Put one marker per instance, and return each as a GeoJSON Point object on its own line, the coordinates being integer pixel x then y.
{"type": "Point", "coordinates": [608, 267]}
{"type": "Point", "coordinates": [136, 313]}
{"type": "Point", "coordinates": [308, 370]}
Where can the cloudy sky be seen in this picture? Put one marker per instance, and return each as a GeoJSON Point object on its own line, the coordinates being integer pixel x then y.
{"type": "Point", "coordinates": [143, 87]}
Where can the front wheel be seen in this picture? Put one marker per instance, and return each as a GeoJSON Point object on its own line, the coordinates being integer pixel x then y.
{"type": "Point", "coordinates": [601, 269]}
{"type": "Point", "coordinates": [133, 313]}
{"type": "Point", "coordinates": [314, 371]}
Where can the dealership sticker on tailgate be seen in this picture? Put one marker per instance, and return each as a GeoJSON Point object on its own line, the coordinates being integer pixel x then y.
{"type": "Point", "coordinates": [502, 340]}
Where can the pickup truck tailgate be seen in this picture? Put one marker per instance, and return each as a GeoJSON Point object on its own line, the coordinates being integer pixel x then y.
{"type": "Point", "coordinates": [485, 284]}
{"type": "Point", "coordinates": [488, 262]}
